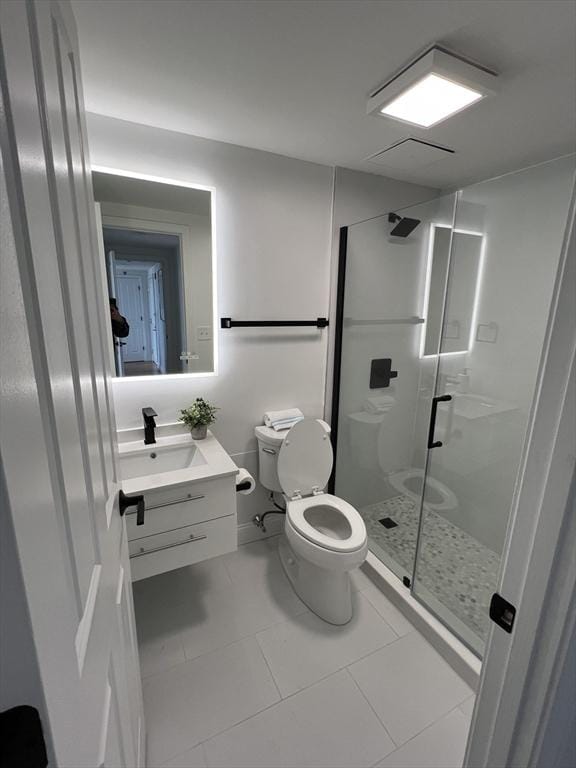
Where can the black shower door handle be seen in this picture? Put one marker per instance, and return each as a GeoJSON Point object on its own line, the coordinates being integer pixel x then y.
{"type": "Point", "coordinates": [435, 400]}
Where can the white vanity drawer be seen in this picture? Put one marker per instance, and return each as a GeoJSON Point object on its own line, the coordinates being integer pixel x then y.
{"type": "Point", "coordinates": [181, 547]}
{"type": "Point", "coordinates": [171, 508]}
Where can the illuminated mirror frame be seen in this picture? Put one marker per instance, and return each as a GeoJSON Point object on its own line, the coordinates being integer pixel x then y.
{"type": "Point", "coordinates": [477, 290]}
{"type": "Point", "coordinates": [214, 263]}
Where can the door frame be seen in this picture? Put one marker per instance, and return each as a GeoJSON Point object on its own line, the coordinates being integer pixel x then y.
{"type": "Point", "coordinates": [141, 275]}
{"type": "Point", "coordinates": [521, 670]}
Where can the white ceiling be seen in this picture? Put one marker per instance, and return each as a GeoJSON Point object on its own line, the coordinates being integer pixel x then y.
{"type": "Point", "coordinates": [292, 76]}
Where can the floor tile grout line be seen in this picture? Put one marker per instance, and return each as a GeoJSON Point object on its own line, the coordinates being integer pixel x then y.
{"type": "Point", "coordinates": [317, 682]}
{"type": "Point", "coordinates": [344, 666]}
{"type": "Point", "coordinates": [268, 667]}
{"type": "Point", "coordinates": [175, 757]}
{"type": "Point", "coordinates": [221, 647]}
{"type": "Point", "coordinates": [335, 671]}
{"type": "Point", "coordinates": [224, 730]}
{"type": "Point", "coordinates": [260, 712]}
{"type": "Point", "coordinates": [179, 634]}
{"type": "Point", "coordinates": [381, 593]}
{"type": "Point", "coordinates": [377, 716]}
{"type": "Point", "coordinates": [264, 629]}
{"type": "Point", "coordinates": [426, 727]}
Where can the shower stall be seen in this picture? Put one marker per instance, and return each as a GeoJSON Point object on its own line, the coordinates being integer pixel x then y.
{"type": "Point", "coordinates": [441, 318]}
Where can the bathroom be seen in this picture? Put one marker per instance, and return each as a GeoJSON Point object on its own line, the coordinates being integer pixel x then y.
{"type": "Point", "coordinates": [420, 305]}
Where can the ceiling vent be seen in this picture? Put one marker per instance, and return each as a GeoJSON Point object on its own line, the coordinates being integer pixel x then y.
{"type": "Point", "coordinates": [410, 155]}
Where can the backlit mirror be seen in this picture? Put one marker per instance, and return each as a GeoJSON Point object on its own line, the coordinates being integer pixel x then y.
{"type": "Point", "coordinates": [457, 325]}
{"type": "Point", "coordinates": [158, 256]}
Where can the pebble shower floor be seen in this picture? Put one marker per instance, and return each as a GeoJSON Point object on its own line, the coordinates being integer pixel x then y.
{"type": "Point", "coordinates": [456, 568]}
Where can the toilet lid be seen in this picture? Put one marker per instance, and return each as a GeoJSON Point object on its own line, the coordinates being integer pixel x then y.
{"type": "Point", "coordinates": [305, 459]}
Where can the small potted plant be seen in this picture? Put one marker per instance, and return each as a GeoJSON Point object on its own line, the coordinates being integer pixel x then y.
{"type": "Point", "coordinates": [198, 417]}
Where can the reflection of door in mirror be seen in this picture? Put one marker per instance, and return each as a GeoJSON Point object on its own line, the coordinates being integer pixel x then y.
{"type": "Point", "coordinates": [130, 297]}
{"type": "Point", "coordinates": [158, 245]}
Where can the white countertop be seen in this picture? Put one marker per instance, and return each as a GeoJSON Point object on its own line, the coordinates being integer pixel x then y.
{"type": "Point", "coordinates": [217, 463]}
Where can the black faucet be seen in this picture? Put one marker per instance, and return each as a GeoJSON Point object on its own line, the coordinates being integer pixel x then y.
{"type": "Point", "coordinates": [149, 425]}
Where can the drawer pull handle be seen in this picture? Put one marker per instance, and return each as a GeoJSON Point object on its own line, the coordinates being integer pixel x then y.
{"type": "Point", "coordinates": [269, 450]}
{"type": "Point", "coordinates": [189, 497]}
{"type": "Point", "coordinates": [189, 540]}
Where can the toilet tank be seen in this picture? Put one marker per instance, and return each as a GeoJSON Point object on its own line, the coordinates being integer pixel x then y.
{"type": "Point", "coordinates": [269, 444]}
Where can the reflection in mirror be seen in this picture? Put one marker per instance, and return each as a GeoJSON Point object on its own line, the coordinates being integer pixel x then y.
{"type": "Point", "coordinates": [158, 252]}
{"type": "Point", "coordinates": [464, 264]}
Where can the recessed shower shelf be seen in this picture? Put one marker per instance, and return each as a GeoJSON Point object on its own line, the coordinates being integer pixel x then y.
{"type": "Point", "coordinates": [385, 321]}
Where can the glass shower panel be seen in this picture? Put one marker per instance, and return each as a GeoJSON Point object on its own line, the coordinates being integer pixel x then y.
{"type": "Point", "coordinates": [386, 385]}
{"type": "Point", "coordinates": [504, 256]}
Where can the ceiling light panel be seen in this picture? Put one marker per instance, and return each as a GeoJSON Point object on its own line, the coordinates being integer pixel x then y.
{"type": "Point", "coordinates": [431, 89]}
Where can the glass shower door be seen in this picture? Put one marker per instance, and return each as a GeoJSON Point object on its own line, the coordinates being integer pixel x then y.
{"type": "Point", "coordinates": [386, 379]}
{"type": "Point", "coordinates": [503, 261]}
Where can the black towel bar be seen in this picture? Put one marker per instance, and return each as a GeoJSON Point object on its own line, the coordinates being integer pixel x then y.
{"type": "Point", "coordinates": [227, 322]}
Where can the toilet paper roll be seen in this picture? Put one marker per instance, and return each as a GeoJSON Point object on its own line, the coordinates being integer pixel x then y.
{"type": "Point", "coordinates": [242, 478]}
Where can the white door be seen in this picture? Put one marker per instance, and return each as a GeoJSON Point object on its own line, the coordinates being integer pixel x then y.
{"type": "Point", "coordinates": [130, 291]}
{"type": "Point", "coordinates": [107, 262]}
{"type": "Point", "coordinates": [152, 314]}
{"type": "Point", "coordinates": [157, 320]}
{"type": "Point", "coordinates": [58, 441]}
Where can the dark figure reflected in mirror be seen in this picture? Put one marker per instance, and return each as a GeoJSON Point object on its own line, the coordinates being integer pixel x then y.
{"type": "Point", "coordinates": [120, 327]}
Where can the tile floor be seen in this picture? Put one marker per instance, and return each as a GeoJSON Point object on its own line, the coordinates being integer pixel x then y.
{"type": "Point", "coordinates": [239, 673]}
{"type": "Point", "coordinates": [459, 571]}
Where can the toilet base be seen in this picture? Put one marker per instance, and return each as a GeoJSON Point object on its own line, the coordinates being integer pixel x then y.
{"type": "Point", "coordinates": [328, 594]}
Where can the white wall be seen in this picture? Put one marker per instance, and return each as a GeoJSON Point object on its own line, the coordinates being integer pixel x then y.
{"type": "Point", "coordinates": [273, 253]}
{"type": "Point", "coordinates": [274, 248]}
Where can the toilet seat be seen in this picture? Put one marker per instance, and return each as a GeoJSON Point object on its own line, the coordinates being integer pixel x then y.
{"type": "Point", "coordinates": [327, 530]}
{"type": "Point", "coordinates": [304, 466]}
{"type": "Point", "coordinates": [447, 501]}
{"type": "Point", "coordinates": [305, 459]}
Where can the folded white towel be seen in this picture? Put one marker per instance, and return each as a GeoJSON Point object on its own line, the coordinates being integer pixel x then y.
{"type": "Point", "coordinates": [279, 426]}
{"type": "Point", "coordinates": [379, 404]}
{"type": "Point", "coordinates": [285, 419]}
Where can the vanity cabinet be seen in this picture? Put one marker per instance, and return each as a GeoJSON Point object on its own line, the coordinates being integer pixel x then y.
{"type": "Point", "coordinates": [189, 490]}
{"type": "Point", "coordinates": [183, 525]}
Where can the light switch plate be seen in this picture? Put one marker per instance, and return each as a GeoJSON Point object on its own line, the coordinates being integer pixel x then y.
{"type": "Point", "coordinates": [203, 333]}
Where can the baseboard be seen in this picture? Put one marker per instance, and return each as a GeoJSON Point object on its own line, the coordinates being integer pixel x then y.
{"type": "Point", "coordinates": [248, 532]}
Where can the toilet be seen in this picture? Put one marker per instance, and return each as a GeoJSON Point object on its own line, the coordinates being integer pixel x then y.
{"type": "Point", "coordinates": [409, 482]}
{"type": "Point", "coordinates": [325, 537]}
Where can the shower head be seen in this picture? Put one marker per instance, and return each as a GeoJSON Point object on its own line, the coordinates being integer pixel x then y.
{"type": "Point", "coordinates": [403, 225]}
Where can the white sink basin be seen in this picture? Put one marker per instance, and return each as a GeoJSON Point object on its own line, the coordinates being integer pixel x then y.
{"type": "Point", "coordinates": [173, 459]}
{"type": "Point", "coordinates": [158, 458]}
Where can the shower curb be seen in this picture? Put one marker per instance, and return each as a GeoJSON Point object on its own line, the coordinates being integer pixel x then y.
{"type": "Point", "coordinates": [454, 652]}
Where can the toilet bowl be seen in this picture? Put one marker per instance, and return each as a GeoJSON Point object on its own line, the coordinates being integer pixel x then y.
{"type": "Point", "coordinates": [324, 536]}
{"type": "Point", "coordinates": [409, 482]}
